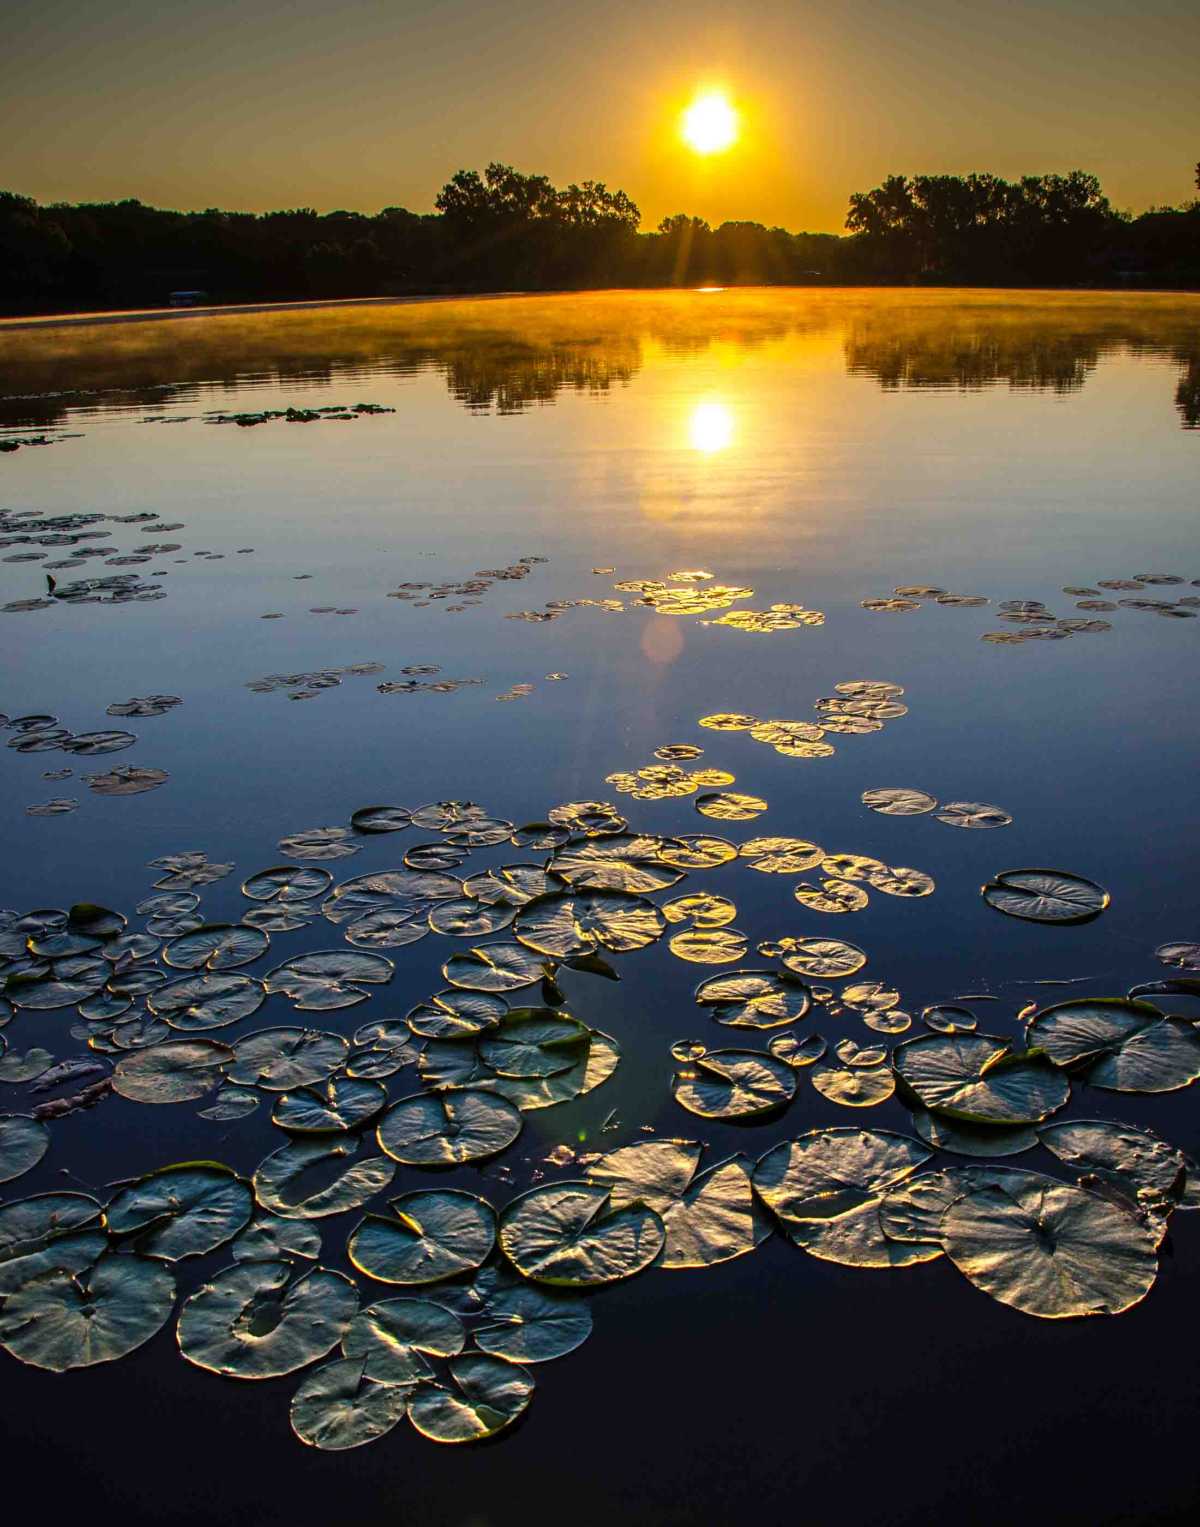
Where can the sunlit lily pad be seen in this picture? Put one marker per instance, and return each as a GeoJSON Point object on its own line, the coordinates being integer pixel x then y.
{"type": "Point", "coordinates": [390, 928]}
{"type": "Point", "coordinates": [456, 1015]}
{"type": "Point", "coordinates": [620, 862]}
{"type": "Point", "coordinates": [210, 1001]}
{"type": "Point", "coordinates": [1045, 896]}
{"type": "Point", "coordinates": [733, 1084]}
{"type": "Point", "coordinates": [1148, 1170]}
{"type": "Point", "coordinates": [231, 1103]}
{"type": "Point", "coordinates": [533, 1041]}
{"type": "Point", "coordinates": [709, 946]}
{"type": "Point", "coordinates": [285, 882]}
{"type": "Point", "coordinates": [797, 1052]}
{"type": "Point", "coordinates": [483, 1395]}
{"type": "Point", "coordinates": [329, 979]}
{"type": "Point", "coordinates": [980, 1079]}
{"type": "Point", "coordinates": [1050, 1250]}
{"type": "Point", "coordinates": [826, 1188]}
{"type": "Point", "coordinates": [566, 924]}
{"type": "Point", "coordinates": [381, 819]}
{"type": "Point", "coordinates": [338, 1407]}
{"type": "Point", "coordinates": [854, 1087]}
{"type": "Point", "coordinates": [899, 802]}
{"type": "Point", "coordinates": [781, 856]}
{"type": "Point", "coordinates": [396, 1336]}
{"type": "Point", "coordinates": [526, 1324]}
{"type": "Point", "coordinates": [730, 806]}
{"type": "Point", "coordinates": [754, 999]}
{"type": "Point", "coordinates": [499, 967]}
{"type": "Point", "coordinates": [88, 1315]}
{"type": "Point", "coordinates": [900, 881]}
{"type": "Point", "coordinates": [448, 1127]}
{"type": "Point", "coordinates": [1179, 956]}
{"type": "Point", "coordinates": [834, 896]}
{"type": "Point", "coordinates": [320, 843]}
{"type": "Point", "coordinates": [963, 1139]}
{"type": "Point", "coordinates": [572, 1234]}
{"type": "Point", "coordinates": [329, 1107]}
{"type": "Point", "coordinates": [973, 814]}
{"type": "Point", "coordinates": [270, 1238]}
{"type": "Point", "coordinates": [829, 958]}
{"type": "Point", "coordinates": [216, 946]}
{"type": "Point", "coordinates": [175, 1072]}
{"type": "Point", "coordinates": [1119, 1045]}
{"type": "Point", "coordinates": [278, 1060]}
{"type": "Point", "coordinates": [309, 1179]}
{"type": "Point", "coordinates": [693, 851]}
{"type": "Point", "coordinates": [467, 918]}
{"type": "Point", "coordinates": [425, 1237]}
{"type": "Point", "coordinates": [701, 909]}
{"type": "Point", "coordinates": [259, 1320]}
{"type": "Point", "coordinates": [181, 1211]}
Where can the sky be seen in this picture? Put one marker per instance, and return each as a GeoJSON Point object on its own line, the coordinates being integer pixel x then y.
{"type": "Point", "coordinates": [360, 104]}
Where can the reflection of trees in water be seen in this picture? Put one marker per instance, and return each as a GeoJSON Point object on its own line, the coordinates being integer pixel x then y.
{"type": "Point", "coordinates": [507, 355]}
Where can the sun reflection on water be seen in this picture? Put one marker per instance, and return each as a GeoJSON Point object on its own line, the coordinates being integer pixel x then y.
{"type": "Point", "coordinates": [711, 427]}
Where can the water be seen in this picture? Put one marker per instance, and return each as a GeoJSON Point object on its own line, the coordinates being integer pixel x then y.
{"type": "Point", "coordinates": [818, 448]}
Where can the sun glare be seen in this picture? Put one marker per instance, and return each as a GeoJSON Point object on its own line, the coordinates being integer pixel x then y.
{"type": "Point", "coordinates": [710, 124]}
{"type": "Point", "coordinates": [711, 427]}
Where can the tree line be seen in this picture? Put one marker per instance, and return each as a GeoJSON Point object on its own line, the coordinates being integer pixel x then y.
{"type": "Point", "coordinates": [502, 230]}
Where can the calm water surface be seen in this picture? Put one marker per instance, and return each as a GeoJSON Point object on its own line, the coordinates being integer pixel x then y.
{"type": "Point", "coordinates": [819, 448]}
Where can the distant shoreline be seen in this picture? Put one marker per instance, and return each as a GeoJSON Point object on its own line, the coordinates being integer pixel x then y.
{"type": "Point", "coordinates": [23, 322]}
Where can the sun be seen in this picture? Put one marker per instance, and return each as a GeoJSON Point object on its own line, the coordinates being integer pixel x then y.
{"type": "Point", "coordinates": [710, 124]}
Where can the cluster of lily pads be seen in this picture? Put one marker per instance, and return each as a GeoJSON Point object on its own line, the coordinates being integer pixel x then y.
{"type": "Point", "coordinates": [856, 707]}
{"type": "Point", "coordinates": [42, 734]}
{"type": "Point", "coordinates": [481, 1293]}
{"type": "Point", "coordinates": [1038, 622]}
{"type": "Point", "coordinates": [344, 412]}
{"type": "Point", "coordinates": [465, 591]}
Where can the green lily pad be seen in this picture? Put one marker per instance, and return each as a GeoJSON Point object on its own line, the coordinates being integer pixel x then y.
{"type": "Point", "coordinates": [396, 1337]}
{"type": "Point", "coordinates": [23, 1143]}
{"type": "Point", "coordinates": [1051, 1251]}
{"type": "Point", "coordinates": [231, 1103]}
{"type": "Point", "coordinates": [26, 1066]}
{"type": "Point", "coordinates": [567, 924]}
{"type": "Point", "coordinates": [309, 1179]}
{"type": "Point", "coordinates": [270, 1238]}
{"type": "Point", "coordinates": [338, 1407]}
{"type": "Point", "coordinates": [980, 1079]}
{"type": "Point", "coordinates": [449, 1127]}
{"type": "Point", "coordinates": [733, 1084]}
{"type": "Point", "coordinates": [50, 1230]}
{"type": "Point", "coordinates": [533, 1041]}
{"type": "Point", "coordinates": [181, 1211]}
{"type": "Point", "coordinates": [826, 1188]}
{"type": "Point", "coordinates": [282, 1059]}
{"type": "Point", "coordinates": [329, 1107]}
{"type": "Point", "coordinates": [427, 1236]}
{"type": "Point", "coordinates": [975, 814]}
{"type": "Point", "coordinates": [175, 1072]}
{"type": "Point", "coordinates": [483, 1396]}
{"type": "Point", "coordinates": [1119, 1045]}
{"type": "Point", "coordinates": [211, 1001]}
{"type": "Point", "coordinates": [216, 946]}
{"type": "Point", "coordinates": [709, 1217]}
{"type": "Point", "coordinates": [286, 882]}
{"type": "Point", "coordinates": [456, 1015]}
{"type": "Point", "coordinates": [572, 1234]}
{"type": "Point", "coordinates": [1045, 896]}
{"type": "Point", "coordinates": [329, 979]}
{"type": "Point", "coordinates": [92, 1314]}
{"type": "Point", "coordinates": [381, 819]}
{"type": "Point", "coordinates": [532, 1325]}
{"type": "Point", "coordinates": [259, 1320]}
{"type": "Point", "coordinates": [467, 919]}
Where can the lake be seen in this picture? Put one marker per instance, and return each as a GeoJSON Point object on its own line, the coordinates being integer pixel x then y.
{"type": "Point", "coordinates": [505, 551]}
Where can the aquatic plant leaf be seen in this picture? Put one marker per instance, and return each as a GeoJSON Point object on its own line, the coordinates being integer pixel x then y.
{"type": "Point", "coordinates": [1050, 1250]}
{"type": "Point", "coordinates": [754, 999]}
{"type": "Point", "coordinates": [50, 1230]}
{"type": "Point", "coordinates": [175, 1072]}
{"type": "Point", "coordinates": [320, 843]}
{"type": "Point", "coordinates": [701, 909]}
{"type": "Point", "coordinates": [449, 1127]}
{"type": "Point", "coordinates": [896, 880]}
{"type": "Point", "coordinates": [1146, 1169]}
{"type": "Point", "coordinates": [830, 958]}
{"type": "Point", "coordinates": [426, 1237]}
{"type": "Point", "coordinates": [499, 967]}
{"type": "Point", "coordinates": [963, 1139]}
{"type": "Point", "coordinates": [231, 1103]}
{"type": "Point", "coordinates": [278, 1060]}
{"type": "Point", "coordinates": [88, 1315]}
{"type": "Point", "coordinates": [948, 1019]}
{"type": "Point", "coordinates": [24, 1067]}
{"type": "Point", "coordinates": [835, 896]}
{"type": "Point", "coordinates": [259, 1320]}
{"type": "Point", "coordinates": [484, 1395]}
{"type": "Point", "coordinates": [394, 1336]}
{"type": "Point", "coordinates": [23, 1143]}
{"type": "Point", "coordinates": [309, 1179]}
{"type": "Point", "coordinates": [286, 882]}
{"type": "Point", "coordinates": [540, 835]}
{"type": "Point", "coordinates": [527, 1324]}
{"type": "Point", "coordinates": [1179, 956]}
{"type": "Point", "coordinates": [709, 946]}
{"type": "Point", "coordinates": [797, 1052]}
{"type": "Point", "coordinates": [1045, 896]}
{"type": "Point", "coordinates": [571, 1234]}
{"type": "Point", "coordinates": [709, 1216]}
{"type": "Point", "coordinates": [468, 918]}
{"type": "Point", "coordinates": [693, 851]}
{"type": "Point", "coordinates": [269, 1238]}
{"type": "Point", "coordinates": [973, 814]}
{"type": "Point", "coordinates": [216, 946]}
{"type": "Point", "coordinates": [733, 1084]}
{"type": "Point", "coordinates": [329, 1107]}
{"type": "Point", "coordinates": [210, 1001]}
{"type": "Point", "coordinates": [730, 806]}
{"type": "Point", "coordinates": [389, 928]}
{"type": "Point", "coordinates": [181, 1211]}
{"type": "Point", "coordinates": [980, 1079]}
{"type": "Point", "coordinates": [854, 1087]}
{"type": "Point", "coordinates": [826, 1188]}
{"type": "Point", "coordinates": [456, 1015]}
{"type": "Point", "coordinates": [781, 856]}
{"type": "Point", "coordinates": [899, 802]}
{"type": "Point", "coordinates": [338, 1407]}
{"type": "Point", "coordinates": [381, 819]}
{"type": "Point", "coordinates": [329, 979]}
{"type": "Point", "coordinates": [533, 1042]}
{"type": "Point", "coordinates": [619, 862]}
{"type": "Point", "coordinates": [126, 779]}
{"type": "Point", "coordinates": [1119, 1045]}
{"type": "Point", "coordinates": [566, 924]}
{"type": "Point", "coordinates": [389, 890]}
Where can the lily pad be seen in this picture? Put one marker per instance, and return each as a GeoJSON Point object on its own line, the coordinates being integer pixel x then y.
{"type": "Point", "coordinates": [572, 1234]}
{"type": "Point", "coordinates": [973, 814]}
{"type": "Point", "coordinates": [853, 1086]}
{"type": "Point", "coordinates": [1140, 1165]}
{"type": "Point", "coordinates": [181, 1211]}
{"type": "Point", "coordinates": [456, 1015]}
{"type": "Point", "coordinates": [320, 843]}
{"type": "Point", "coordinates": [449, 1127]}
{"type": "Point", "coordinates": [570, 923]}
{"type": "Point", "coordinates": [483, 1395]}
{"type": "Point", "coordinates": [621, 862]}
{"type": "Point", "coordinates": [269, 1238]}
{"type": "Point", "coordinates": [427, 1236]}
{"type": "Point", "coordinates": [231, 1103]}
{"type": "Point", "coordinates": [962, 1139]}
{"type": "Point", "coordinates": [980, 1079]}
{"type": "Point", "coordinates": [309, 1179]}
{"type": "Point", "coordinates": [1119, 1045]}
{"type": "Point", "coordinates": [381, 819]}
{"type": "Point", "coordinates": [329, 979]}
{"type": "Point", "coordinates": [330, 1107]}
{"type": "Point", "coordinates": [285, 882]}
{"type": "Point", "coordinates": [87, 1315]}
{"type": "Point", "coordinates": [23, 1143]}
{"type": "Point", "coordinates": [899, 802]}
{"type": "Point", "coordinates": [338, 1407]}
{"type": "Point", "coordinates": [730, 806]}
{"type": "Point", "coordinates": [210, 1001]}
{"type": "Point", "coordinates": [499, 967]}
{"type": "Point", "coordinates": [526, 1324]}
{"type": "Point", "coordinates": [175, 1072]}
{"type": "Point", "coordinates": [754, 999]}
{"type": "Point", "coordinates": [216, 946]}
{"type": "Point", "coordinates": [1045, 896]}
{"type": "Point", "coordinates": [733, 1084]}
{"type": "Point", "coordinates": [278, 1060]}
{"type": "Point", "coordinates": [830, 958]}
{"type": "Point", "coordinates": [692, 851]}
{"type": "Point", "coordinates": [259, 1320]}
{"type": "Point", "coordinates": [709, 946]}
{"type": "Point", "coordinates": [396, 1337]}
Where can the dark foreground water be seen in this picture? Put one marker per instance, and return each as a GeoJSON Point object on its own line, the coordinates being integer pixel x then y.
{"type": "Point", "coordinates": [814, 450]}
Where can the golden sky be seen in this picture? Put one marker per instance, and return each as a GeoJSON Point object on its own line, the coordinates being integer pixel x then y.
{"type": "Point", "coordinates": [256, 104]}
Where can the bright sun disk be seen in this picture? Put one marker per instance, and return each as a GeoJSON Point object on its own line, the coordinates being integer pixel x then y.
{"type": "Point", "coordinates": [710, 123]}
